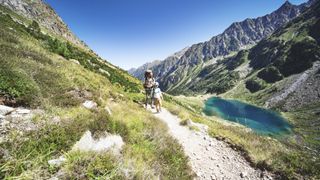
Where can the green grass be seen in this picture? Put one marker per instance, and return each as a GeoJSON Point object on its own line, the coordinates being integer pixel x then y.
{"type": "Point", "coordinates": [39, 75]}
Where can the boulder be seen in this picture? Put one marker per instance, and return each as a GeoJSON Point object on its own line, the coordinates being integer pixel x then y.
{"type": "Point", "coordinates": [105, 143]}
{"type": "Point", "coordinates": [90, 104]}
{"type": "Point", "coordinates": [75, 61]}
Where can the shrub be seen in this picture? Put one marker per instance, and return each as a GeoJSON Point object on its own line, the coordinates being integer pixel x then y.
{"type": "Point", "coordinates": [18, 85]}
{"type": "Point", "coordinates": [103, 122]}
{"type": "Point", "coordinates": [254, 85]}
{"type": "Point", "coordinates": [34, 26]}
{"type": "Point", "coordinates": [270, 74]}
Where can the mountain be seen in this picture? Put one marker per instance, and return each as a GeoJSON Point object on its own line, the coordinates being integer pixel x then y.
{"type": "Point", "coordinates": [159, 68]}
{"type": "Point", "coordinates": [281, 71]}
{"type": "Point", "coordinates": [239, 35]}
{"type": "Point", "coordinates": [139, 72]}
{"type": "Point", "coordinates": [65, 113]}
{"type": "Point", "coordinates": [39, 11]}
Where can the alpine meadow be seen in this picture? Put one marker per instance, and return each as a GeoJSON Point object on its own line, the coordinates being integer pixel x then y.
{"type": "Point", "coordinates": [244, 104]}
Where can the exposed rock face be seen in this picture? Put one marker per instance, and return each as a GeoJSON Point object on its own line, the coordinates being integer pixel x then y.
{"type": "Point", "coordinates": [139, 72]}
{"type": "Point", "coordinates": [41, 12]}
{"type": "Point", "coordinates": [239, 35]}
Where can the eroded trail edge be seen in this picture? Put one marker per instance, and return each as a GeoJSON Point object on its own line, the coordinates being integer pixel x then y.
{"type": "Point", "coordinates": [209, 157]}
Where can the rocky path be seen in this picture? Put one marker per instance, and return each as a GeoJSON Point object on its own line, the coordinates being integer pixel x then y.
{"type": "Point", "coordinates": [209, 157]}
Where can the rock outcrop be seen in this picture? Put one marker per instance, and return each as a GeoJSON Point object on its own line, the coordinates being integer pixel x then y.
{"type": "Point", "coordinates": [41, 12]}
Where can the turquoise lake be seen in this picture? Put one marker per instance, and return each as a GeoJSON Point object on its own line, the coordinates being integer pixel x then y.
{"type": "Point", "coordinates": [262, 121]}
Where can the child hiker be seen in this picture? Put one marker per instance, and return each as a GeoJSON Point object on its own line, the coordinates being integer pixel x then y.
{"type": "Point", "coordinates": [158, 97]}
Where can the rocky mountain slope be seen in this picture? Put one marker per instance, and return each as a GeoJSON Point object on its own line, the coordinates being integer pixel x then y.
{"type": "Point", "coordinates": [239, 35]}
{"type": "Point", "coordinates": [39, 11]}
{"type": "Point", "coordinates": [282, 68]}
{"type": "Point", "coordinates": [159, 68]}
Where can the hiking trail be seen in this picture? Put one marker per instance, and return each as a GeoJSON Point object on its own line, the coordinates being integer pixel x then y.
{"type": "Point", "coordinates": [209, 157]}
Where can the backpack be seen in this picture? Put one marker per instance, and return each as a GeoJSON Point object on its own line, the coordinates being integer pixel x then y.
{"type": "Point", "coordinates": [149, 80]}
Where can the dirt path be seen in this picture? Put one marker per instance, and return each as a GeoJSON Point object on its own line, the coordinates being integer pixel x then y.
{"type": "Point", "coordinates": [209, 157]}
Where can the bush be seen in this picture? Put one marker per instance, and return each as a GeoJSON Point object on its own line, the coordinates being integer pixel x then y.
{"type": "Point", "coordinates": [103, 122]}
{"type": "Point", "coordinates": [34, 26]}
{"type": "Point", "coordinates": [270, 74]}
{"type": "Point", "coordinates": [254, 85]}
{"type": "Point", "coordinates": [18, 85]}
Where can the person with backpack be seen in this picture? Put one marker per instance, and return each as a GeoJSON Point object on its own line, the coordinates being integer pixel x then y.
{"type": "Point", "coordinates": [149, 83]}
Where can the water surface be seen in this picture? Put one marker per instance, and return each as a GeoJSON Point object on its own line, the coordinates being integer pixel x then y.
{"type": "Point", "coordinates": [260, 120]}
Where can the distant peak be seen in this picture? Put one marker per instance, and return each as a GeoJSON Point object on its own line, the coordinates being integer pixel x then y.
{"type": "Point", "coordinates": [286, 4]}
{"type": "Point", "coordinates": [285, 7]}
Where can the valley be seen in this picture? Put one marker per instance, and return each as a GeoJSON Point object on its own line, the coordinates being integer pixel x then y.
{"type": "Point", "coordinates": [243, 105]}
{"type": "Point", "coordinates": [277, 72]}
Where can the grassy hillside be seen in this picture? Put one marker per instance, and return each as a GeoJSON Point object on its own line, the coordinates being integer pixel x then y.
{"type": "Point", "coordinates": [39, 72]}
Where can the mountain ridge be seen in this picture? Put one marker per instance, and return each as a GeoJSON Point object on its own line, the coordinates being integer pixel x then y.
{"type": "Point", "coordinates": [239, 35]}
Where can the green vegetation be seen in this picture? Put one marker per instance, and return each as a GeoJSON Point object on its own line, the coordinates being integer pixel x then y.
{"type": "Point", "coordinates": [270, 74]}
{"type": "Point", "coordinates": [215, 79]}
{"type": "Point", "coordinates": [237, 60]}
{"type": "Point", "coordinates": [301, 56]}
{"type": "Point", "coordinates": [254, 85]}
{"type": "Point", "coordinates": [36, 72]}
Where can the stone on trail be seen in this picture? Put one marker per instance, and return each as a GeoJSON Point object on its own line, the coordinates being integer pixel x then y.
{"type": "Point", "coordinates": [23, 111]}
{"type": "Point", "coordinates": [243, 174]}
{"type": "Point", "coordinates": [5, 110]}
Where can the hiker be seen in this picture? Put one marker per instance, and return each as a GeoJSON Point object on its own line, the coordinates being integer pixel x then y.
{"type": "Point", "coordinates": [149, 87]}
{"type": "Point", "coordinates": [157, 97]}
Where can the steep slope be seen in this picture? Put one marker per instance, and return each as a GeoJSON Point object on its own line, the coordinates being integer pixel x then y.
{"type": "Point", "coordinates": [57, 92]}
{"type": "Point", "coordinates": [239, 35]}
{"type": "Point", "coordinates": [39, 11]}
{"type": "Point", "coordinates": [139, 72]}
{"type": "Point", "coordinates": [285, 63]}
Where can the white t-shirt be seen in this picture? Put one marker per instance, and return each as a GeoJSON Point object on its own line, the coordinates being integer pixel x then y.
{"type": "Point", "coordinates": [157, 93]}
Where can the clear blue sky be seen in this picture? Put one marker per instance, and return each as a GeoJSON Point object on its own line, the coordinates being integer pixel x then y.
{"type": "Point", "coordinates": [129, 33]}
